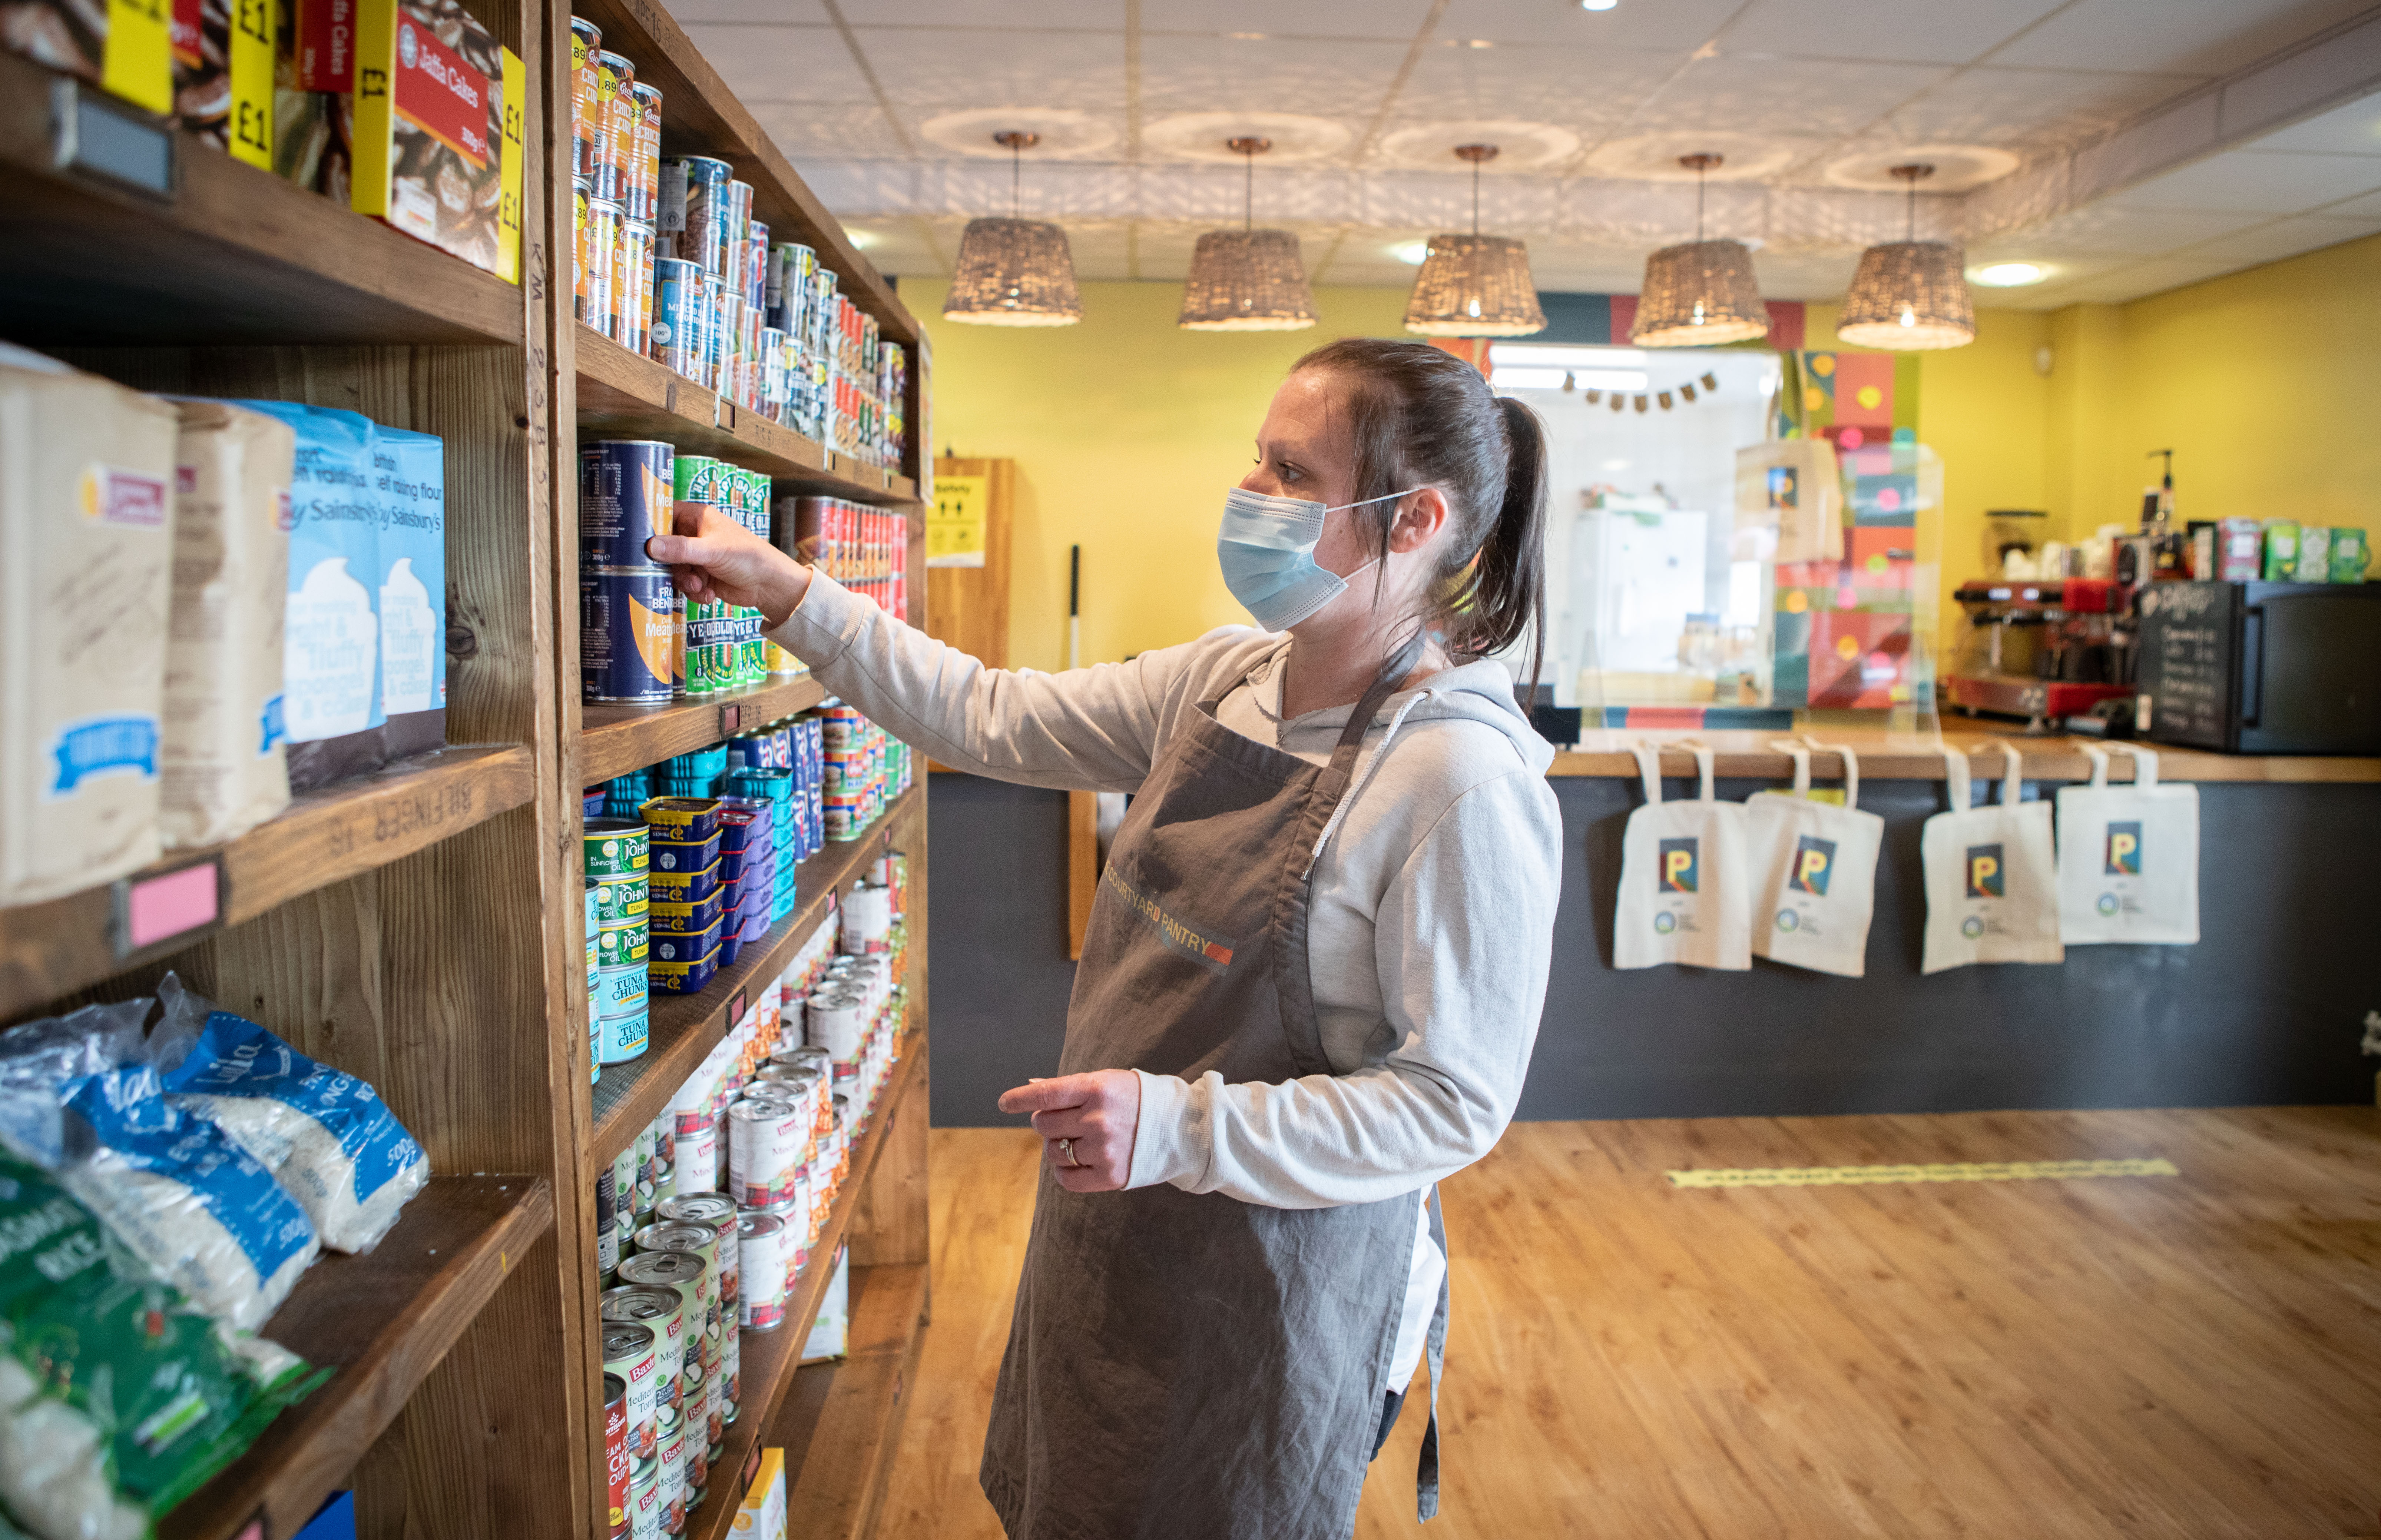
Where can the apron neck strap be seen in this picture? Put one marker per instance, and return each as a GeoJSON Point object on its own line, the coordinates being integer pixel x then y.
{"type": "Point", "coordinates": [1393, 673]}
{"type": "Point", "coordinates": [2012, 775]}
{"type": "Point", "coordinates": [1954, 777]}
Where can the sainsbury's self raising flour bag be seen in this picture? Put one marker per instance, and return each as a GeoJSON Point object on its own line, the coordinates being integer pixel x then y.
{"type": "Point", "coordinates": [2128, 857]}
{"type": "Point", "coordinates": [1992, 878]}
{"type": "Point", "coordinates": [225, 758]}
{"type": "Point", "coordinates": [1683, 877]}
{"type": "Point", "coordinates": [1813, 870]}
{"type": "Point", "coordinates": [86, 572]}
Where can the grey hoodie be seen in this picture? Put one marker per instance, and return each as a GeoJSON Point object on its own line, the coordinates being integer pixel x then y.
{"type": "Point", "coordinates": [1434, 890]}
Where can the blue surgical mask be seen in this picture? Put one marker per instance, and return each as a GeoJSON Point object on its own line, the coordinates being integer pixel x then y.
{"type": "Point", "coordinates": [1266, 547]}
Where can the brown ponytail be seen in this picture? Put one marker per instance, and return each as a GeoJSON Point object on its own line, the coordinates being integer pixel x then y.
{"type": "Point", "coordinates": [1424, 417]}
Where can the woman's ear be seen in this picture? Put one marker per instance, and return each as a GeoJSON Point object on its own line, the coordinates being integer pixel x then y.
{"type": "Point", "coordinates": [1421, 515]}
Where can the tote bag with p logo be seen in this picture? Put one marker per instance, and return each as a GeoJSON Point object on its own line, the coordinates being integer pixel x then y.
{"type": "Point", "coordinates": [2128, 857]}
{"type": "Point", "coordinates": [1992, 878]}
{"type": "Point", "coordinates": [1815, 871]}
{"type": "Point", "coordinates": [1682, 876]}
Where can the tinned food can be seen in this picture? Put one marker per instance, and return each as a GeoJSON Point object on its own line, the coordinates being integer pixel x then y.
{"type": "Point", "coordinates": [677, 338]}
{"type": "Point", "coordinates": [632, 285]}
{"type": "Point", "coordinates": [716, 1212]}
{"type": "Point", "coordinates": [598, 247]}
{"type": "Point", "coordinates": [617, 1459]}
{"type": "Point", "coordinates": [620, 899]}
{"type": "Point", "coordinates": [581, 190]}
{"type": "Point", "coordinates": [765, 1263]}
{"type": "Point", "coordinates": [661, 1309]}
{"type": "Point", "coordinates": [622, 1038]}
{"type": "Point", "coordinates": [766, 1140]}
{"type": "Point", "coordinates": [686, 1272]}
{"type": "Point", "coordinates": [629, 1353]}
{"type": "Point", "coordinates": [626, 489]}
{"type": "Point", "coordinates": [646, 166]}
{"type": "Point", "coordinates": [586, 112]}
{"type": "Point", "coordinates": [615, 76]}
{"type": "Point", "coordinates": [629, 623]}
{"type": "Point", "coordinates": [673, 1478]}
{"type": "Point", "coordinates": [645, 1507]}
{"type": "Point", "coordinates": [616, 848]}
{"type": "Point", "coordinates": [693, 210]}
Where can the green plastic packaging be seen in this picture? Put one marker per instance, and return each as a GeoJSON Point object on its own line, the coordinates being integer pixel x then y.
{"type": "Point", "coordinates": [116, 1402]}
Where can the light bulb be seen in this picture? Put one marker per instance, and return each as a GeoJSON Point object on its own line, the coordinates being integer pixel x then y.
{"type": "Point", "coordinates": [2008, 275]}
{"type": "Point", "coordinates": [1908, 316]}
{"type": "Point", "coordinates": [1598, 5]}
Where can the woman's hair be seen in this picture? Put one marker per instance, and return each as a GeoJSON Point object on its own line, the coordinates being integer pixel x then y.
{"type": "Point", "coordinates": [1424, 417]}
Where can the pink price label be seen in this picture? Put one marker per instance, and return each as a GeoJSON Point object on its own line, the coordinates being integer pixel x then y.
{"type": "Point", "coordinates": [158, 908]}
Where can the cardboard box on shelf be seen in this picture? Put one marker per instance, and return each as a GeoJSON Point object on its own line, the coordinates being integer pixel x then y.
{"type": "Point", "coordinates": [429, 127]}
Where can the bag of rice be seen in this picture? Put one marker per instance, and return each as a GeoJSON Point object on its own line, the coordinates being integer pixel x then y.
{"type": "Point", "coordinates": [115, 1401]}
{"type": "Point", "coordinates": [325, 1134]}
{"type": "Point", "coordinates": [203, 1214]}
{"type": "Point", "coordinates": [40, 1059]}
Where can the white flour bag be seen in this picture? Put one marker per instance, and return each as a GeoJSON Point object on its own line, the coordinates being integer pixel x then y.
{"type": "Point", "coordinates": [1683, 894]}
{"type": "Point", "coordinates": [2128, 857]}
{"type": "Point", "coordinates": [1813, 872]}
{"type": "Point", "coordinates": [1992, 876]}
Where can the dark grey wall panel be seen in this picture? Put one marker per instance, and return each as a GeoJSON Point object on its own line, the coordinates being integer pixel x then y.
{"type": "Point", "coordinates": [2266, 1009]}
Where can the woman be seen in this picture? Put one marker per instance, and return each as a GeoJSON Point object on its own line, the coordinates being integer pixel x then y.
{"type": "Point", "coordinates": [1313, 972]}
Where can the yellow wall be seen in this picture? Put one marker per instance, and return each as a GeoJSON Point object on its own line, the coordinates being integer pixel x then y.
{"type": "Point", "coordinates": [1127, 430]}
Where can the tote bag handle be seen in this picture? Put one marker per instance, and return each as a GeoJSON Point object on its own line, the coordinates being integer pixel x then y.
{"type": "Point", "coordinates": [1954, 777]}
{"type": "Point", "coordinates": [2012, 772]}
{"type": "Point", "coordinates": [1851, 766]}
{"type": "Point", "coordinates": [1649, 767]}
{"type": "Point", "coordinates": [2099, 758]}
{"type": "Point", "coordinates": [2145, 763]}
{"type": "Point", "coordinates": [1801, 757]}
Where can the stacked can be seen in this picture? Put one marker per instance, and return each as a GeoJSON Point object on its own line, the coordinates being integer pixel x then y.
{"type": "Point", "coordinates": [616, 852]}
{"type": "Point", "coordinates": [689, 903]}
{"type": "Point", "coordinates": [715, 1214]}
{"type": "Point", "coordinates": [632, 1356]}
{"type": "Point", "coordinates": [700, 773]}
{"type": "Point", "coordinates": [594, 986]}
{"type": "Point", "coordinates": [628, 613]}
{"type": "Point", "coordinates": [748, 863]}
{"type": "Point", "coordinates": [623, 795]}
{"type": "Point", "coordinates": [646, 1342]}
{"type": "Point", "coordinates": [702, 479]}
{"type": "Point", "coordinates": [688, 1276]}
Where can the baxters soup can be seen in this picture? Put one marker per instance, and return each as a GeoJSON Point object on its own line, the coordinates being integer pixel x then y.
{"type": "Point", "coordinates": [629, 1354]}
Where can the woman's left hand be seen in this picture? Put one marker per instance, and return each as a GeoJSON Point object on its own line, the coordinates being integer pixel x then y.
{"type": "Point", "coordinates": [1098, 1112]}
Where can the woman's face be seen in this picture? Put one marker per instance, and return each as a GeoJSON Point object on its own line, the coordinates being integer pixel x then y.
{"type": "Point", "coordinates": [1307, 450]}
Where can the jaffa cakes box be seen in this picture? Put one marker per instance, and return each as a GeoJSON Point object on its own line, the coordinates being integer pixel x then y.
{"type": "Point", "coordinates": [431, 130]}
{"type": "Point", "coordinates": [122, 46]}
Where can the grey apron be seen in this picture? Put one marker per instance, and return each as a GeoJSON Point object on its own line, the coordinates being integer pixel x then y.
{"type": "Point", "coordinates": [1188, 1364]}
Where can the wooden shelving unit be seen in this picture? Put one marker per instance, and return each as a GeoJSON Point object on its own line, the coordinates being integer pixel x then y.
{"type": "Point", "coordinates": [421, 927]}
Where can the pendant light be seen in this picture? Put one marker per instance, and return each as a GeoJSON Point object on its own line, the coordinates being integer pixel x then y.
{"type": "Point", "coordinates": [1909, 294]}
{"type": "Point", "coordinates": [1475, 286]}
{"type": "Point", "coordinates": [1248, 279]}
{"type": "Point", "coordinates": [1014, 271]}
{"type": "Point", "coordinates": [1702, 294]}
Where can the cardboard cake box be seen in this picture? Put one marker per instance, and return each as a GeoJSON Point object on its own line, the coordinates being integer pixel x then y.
{"type": "Point", "coordinates": [436, 153]}
{"type": "Point", "coordinates": [122, 46]}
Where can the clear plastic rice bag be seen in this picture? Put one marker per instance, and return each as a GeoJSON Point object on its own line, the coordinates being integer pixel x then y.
{"type": "Point", "coordinates": [116, 1402]}
{"type": "Point", "coordinates": [40, 1059]}
{"type": "Point", "coordinates": [200, 1212]}
{"type": "Point", "coordinates": [325, 1134]}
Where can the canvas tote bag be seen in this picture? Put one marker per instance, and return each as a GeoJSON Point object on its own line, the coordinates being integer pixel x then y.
{"type": "Point", "coordinates": [1992, 875]}
{"type": "Point", "coordinates": [1813, 870]}
{"type": "Point", "coordinates": [2128, 857]}
{"type": "Point", "coordinates": [1683, 879]}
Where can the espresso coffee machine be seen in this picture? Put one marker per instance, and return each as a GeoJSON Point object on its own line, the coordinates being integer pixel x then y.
{"type": "Point", "coordinates": [2042, 652]}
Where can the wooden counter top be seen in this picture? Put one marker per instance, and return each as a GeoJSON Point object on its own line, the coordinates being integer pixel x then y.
{"type": "Point", "coordinates": [1913, 756]}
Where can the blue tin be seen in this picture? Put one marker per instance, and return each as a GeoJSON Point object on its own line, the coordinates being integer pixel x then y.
{"type": "Point", "coordinates": [620, 992]}
{"type": "Point", "coordinates": [731, 946]}
{"type": "Point", "coordinates": [626, 489]}
{"type": "Point", "coordinates": [627, 626]}
{"type": "Point", "coordinates": [679, 856]}
{"type": "Point", "coordinates": [691, 886]}
{"type": "Point", "coordinates": [680, 336]}
{"type": "Point", "coordinates": [690, 919]}
{"type": "Point", "coordinates": [682, 819]}
{"type": "Point", "coordinates": [623, 1037]}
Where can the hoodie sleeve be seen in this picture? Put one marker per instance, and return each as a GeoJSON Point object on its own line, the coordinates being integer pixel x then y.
{"type": "Point", "coordinates": [1094, 729]}
{"type": "Point", "coordinates": [1464, 935]}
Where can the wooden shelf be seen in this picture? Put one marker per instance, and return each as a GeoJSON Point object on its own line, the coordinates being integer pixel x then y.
{"type": "Point", "coordinates": [841, 1423]}
{"type": "Point", "coordinates": [1743, 755]}
{"type": "Point", "coordinates": [233, 254]}
{"type": "Point", "coordinates": [770, 1358]}
{"type": "Point", "coordinates": [625, 394]}
{"type": "Point", "coordinates": [327, 835]}
{"type": "Point", "coordinates": [383, 1321]}
{"type": "Point", "coordinates": [684, 1028]}
{"type": "Point", "coordinates": [702, 116]}
{"type": "Point", "coordinates": [614, 739]}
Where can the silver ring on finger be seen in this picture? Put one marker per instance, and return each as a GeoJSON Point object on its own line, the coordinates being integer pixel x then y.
{"type": "Point", "coordinates": [1066, 1148]}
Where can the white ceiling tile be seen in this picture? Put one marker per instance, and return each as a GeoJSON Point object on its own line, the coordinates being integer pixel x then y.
{"type": "Point", "coordinates": [2366, 207]}
{"type": "Point", "coordinates": [1096, 14]}
{"type": "Point", "coordinates": [1217, 74]}
{"type": "Point", "coordinates": [780, 64]}
{"type": "Point", "coordinates": [806, 13]}
{"type": "Point", "coordinates": [1926, 31]}
{"type": "Point", "coordinates": [1802, 97]}
{"type": "Point", "coordinates": [836, 131]}
{"type": "Point", "coordinates": [2103, 230]}
{"type": "Point", "coordinates": [2353, 129]}
{"type": "Point", "coordinates": [947, 70]}
{"type": "Point", "coordinates": [2178, 37]}
{"type": "Point", "coordinates": [1676, 25]}
{"type": "Point", "coordinates": [1398, 19]}
{"type": "Point", "coordinates": [2032, 109]}
{"type": "Point", "coordinates": [2253, 181]}
{"type": "Point", "coordinates": [2285, 237]}
{"type": "Point", "coordinates": [2147, 278]}
{"type": "Point", "coordinates": [1582, 90]}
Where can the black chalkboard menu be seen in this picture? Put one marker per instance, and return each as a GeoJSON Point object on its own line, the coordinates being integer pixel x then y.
{"type": "Point", "coordinates": [2183, 661]}
{"type": "Point", "coordinates": [2263, 668]}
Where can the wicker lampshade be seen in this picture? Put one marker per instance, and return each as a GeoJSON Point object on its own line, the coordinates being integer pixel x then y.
{"type": "Point", "coordinates": [1247, 281]}
{"type": "Point", "coordinates": [1014, 272]}
{"type": "Point", "coordinates": [1699, 294]}
{"type": "Point", "coordinates": [1475, 286]}
{"type": "Point", "coordinates": [1910, 295]}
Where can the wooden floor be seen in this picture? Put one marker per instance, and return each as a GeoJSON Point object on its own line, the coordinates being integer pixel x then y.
{"type": "Point", "coordinates": [2191, 1355]}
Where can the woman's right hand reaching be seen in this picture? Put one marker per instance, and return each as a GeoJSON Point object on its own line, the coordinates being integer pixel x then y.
{"type": "Point", "coordinates": [712, 559]}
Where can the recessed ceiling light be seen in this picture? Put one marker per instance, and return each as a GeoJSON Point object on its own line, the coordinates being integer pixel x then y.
{"type": "Point", "coordinates": [1413, 253]}
{"type": "Point", "coordinates": [863, 240]}
{"type": "Point", "coordinates": [1478, 43]}
{"type": "Point", "coordinates": [2007, 276]}
{"type": "Point", "coordinates": [1598, 5]}
{"type": "Point", "coordinates": [1247, 37]}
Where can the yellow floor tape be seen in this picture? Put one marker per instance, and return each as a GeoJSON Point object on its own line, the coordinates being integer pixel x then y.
{"type": "Point", "coordinates": [1985, 1170]}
